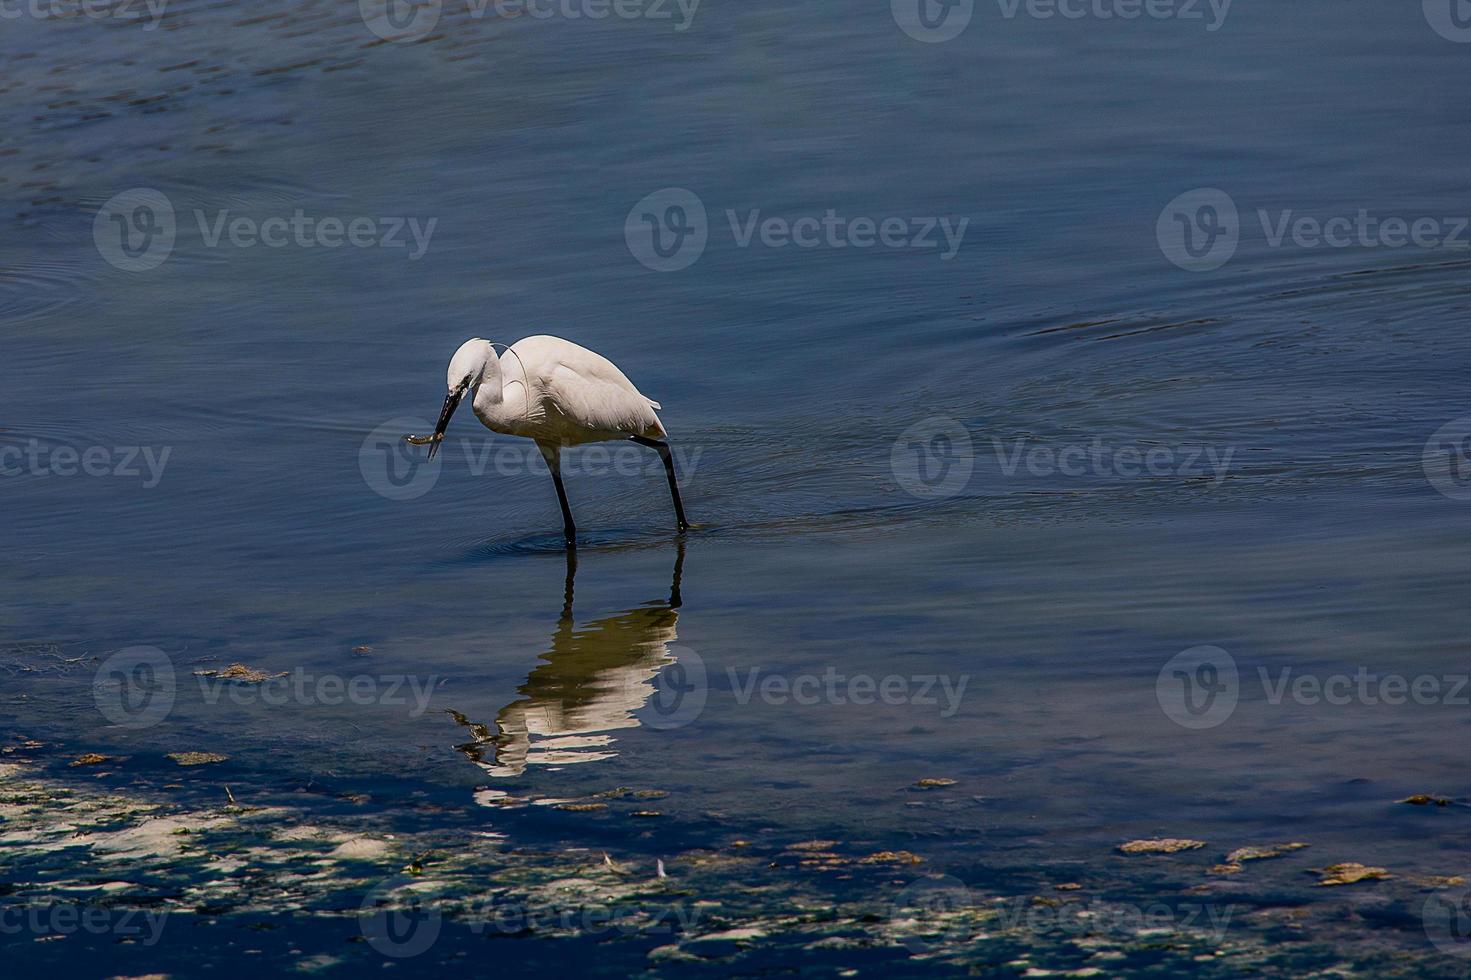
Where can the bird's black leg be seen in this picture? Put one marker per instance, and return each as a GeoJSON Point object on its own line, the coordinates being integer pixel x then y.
{"type": "Point", "coordinates": [675, 599]}
{"type": "Point", "coordinates": [553, 455]}
{"type": "Point", "coordinates": [664, 454]}
{"type": "Point", "coordinates": [567, 589]}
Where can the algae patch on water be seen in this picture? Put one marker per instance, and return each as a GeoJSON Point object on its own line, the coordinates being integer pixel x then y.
{"type": "Point", "coordinates": [1235, 860]}
{"type": "Point", "coordinates": [1161, 845]}
{"type": "Point", "coordinates": [1350, 873]}
{"type": "Point", "coordinates": [1423, 799]}
{"type": "Point", "coordinates": [197, 758]}
{"type": "Point", "coordinates": [730, 909]}
{"type": "Point", "coordinates": [240, 672]}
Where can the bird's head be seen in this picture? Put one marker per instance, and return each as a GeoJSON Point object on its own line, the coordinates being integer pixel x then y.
{"type": "Point", "coordinates": [473, 363]}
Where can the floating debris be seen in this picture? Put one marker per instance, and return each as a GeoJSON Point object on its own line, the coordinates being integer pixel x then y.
{"type": "Point", "coordinates": [240, 672]}
{"type": "Point", "coordinates": [1161, 845]}
{"type": "Point", "coordinates": [1439, 881]}
{"type": "Point", "coordinates": [1235, 859]}
{"type": "Point", "coordinates": [91, 759]}
{"type": "Point", "coordinates": [933, 783]}
{"type": "Point", "coordinates": [197, 758]}
{"type": "Point", "coordinates": [624, 792]}
{"type": "Point", "coordinates": [893, 857]}
{"type": "Point", "coordinates": [616, 793]}
{"type": "Point", "coordinates": [740, 935]}
{"type": "Point", "coordinates": [1067, 886]}
{"type": "Point", "coordinates": [582, 807]}
{"type": "Point", "coordinates": [362, 649]}
{"type": "Point", "coordinates": [1253, 853]}
{"type": "Point", "coordinates": [365, 849]}
{"type": "Point", "coordinates": [1350, 873]}
{"type": "Point", "coordinates": [1421, 799]}
{"type": "Point", "coordinates": [646, 813]}
{"type": "Point", "coordinates": [812, 845]}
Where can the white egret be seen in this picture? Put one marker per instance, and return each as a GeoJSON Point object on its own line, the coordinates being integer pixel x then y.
{"type": "Point", "coordinates": [557, 394]}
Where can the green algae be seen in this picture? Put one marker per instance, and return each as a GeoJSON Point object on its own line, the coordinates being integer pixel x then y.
{"type": "Point", "coordinates": [718, 906]}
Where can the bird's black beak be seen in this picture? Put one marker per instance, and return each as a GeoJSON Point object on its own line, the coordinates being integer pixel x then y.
{"type": "Point", "coordinates": [451, 402]}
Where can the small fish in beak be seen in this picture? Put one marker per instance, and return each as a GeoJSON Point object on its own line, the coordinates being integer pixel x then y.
{"type": "Point", "coordinates": [451, 402]}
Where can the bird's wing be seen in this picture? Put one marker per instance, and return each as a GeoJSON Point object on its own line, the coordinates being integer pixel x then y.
{"type": "Point", "coordinates": [589, 388]}
{"type": "Point", "coordinates": [602, 403]}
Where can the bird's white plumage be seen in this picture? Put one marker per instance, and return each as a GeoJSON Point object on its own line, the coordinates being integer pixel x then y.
{"type": "Point", "coordinates": [559, 394]}
{"type": "Point", "coordinates": [554, 391]}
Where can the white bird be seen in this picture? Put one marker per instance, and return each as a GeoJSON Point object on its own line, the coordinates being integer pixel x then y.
{"type": "Point", "coordinates": [558, 394]}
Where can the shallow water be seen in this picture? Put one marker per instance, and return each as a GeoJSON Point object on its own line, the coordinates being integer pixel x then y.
{"type": "Point", "coordinates": [245, 400]}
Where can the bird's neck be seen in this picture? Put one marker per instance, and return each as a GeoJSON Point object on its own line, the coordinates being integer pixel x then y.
{"type": "Point", "coordinates": [493, 408]}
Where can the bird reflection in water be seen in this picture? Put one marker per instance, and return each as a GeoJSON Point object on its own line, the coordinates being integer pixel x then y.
{"type": "Point", "coordinates": [590, 684]}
